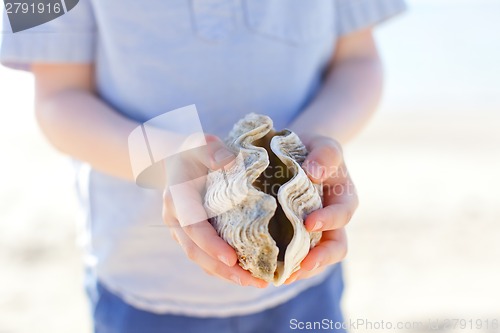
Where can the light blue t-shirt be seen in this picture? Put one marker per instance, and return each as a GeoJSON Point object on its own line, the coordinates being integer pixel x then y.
{"type": "Point", "coordinates": [229, 57]}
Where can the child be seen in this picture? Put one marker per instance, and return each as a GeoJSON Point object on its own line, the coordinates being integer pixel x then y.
{"type": "Point", "coordinates": [105, 67]}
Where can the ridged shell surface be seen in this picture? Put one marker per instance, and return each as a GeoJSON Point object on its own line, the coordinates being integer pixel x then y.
{"type": "Point", "coordinates": [247, 209]}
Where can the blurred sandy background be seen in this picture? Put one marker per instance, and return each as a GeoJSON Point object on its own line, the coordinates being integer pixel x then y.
{"type": "Point", "coordinates": [425, 243]}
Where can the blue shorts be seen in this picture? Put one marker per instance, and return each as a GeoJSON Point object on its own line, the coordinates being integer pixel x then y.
{"type": "Point", "coordinates": [320, 304]}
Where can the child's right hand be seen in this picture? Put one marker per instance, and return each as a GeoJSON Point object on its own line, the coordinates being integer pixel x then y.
{"type": "Point", "coordinates": [183, 212]}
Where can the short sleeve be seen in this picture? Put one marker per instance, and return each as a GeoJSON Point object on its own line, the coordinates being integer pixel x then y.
{"type": "Point", "coordinates": [354, 15]}
{"type": "Point", "coordinates": [69, 38]}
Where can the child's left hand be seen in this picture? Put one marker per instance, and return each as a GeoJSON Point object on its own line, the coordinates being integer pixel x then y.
{"type": "Point", "coordinates": [325, 165]}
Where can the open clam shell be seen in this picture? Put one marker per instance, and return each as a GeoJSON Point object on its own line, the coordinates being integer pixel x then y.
{"type": "Point", "coordinates": [259, 203]}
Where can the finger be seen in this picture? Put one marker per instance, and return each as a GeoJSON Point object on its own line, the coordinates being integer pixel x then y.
{"type": "Point", "coordinates": [208, 272]}
{"type": "Point", "coordinates": [336, 214]}
{"type": "Point", "coordinates": [340, 201]}
{"type": "Point", "coordinates": [206, 238]}
{"type": "Point", "coordinates": [340, 193]}
{"type": "Point", "coordinates": [293, 277]}
{"type": "Point", "coordinates": [303, 274]}
{"type": "Point", "coordinates": [195, 162]}
{"type": "Point", "coordinates": [168, 211]}
{"type": "Point", "coordinates": [173, 234]}
{"type": "Point", "coordinates": [185, 200]}
{"type": "Point", "coordinates": [324, 159]}
{"type": "Point", "coordinates": [235, 274]}
{"type": "Point", "coordinates": [171, 223]}
{"type": "Point", "coordinates": [331, 249]}
{"type": "Point", "coordinates": [169, 218]}
{"type": "Point", "coordinates": [329, 218]}
{"type": "Point", "coordinates": [215, 154]}
{"type": "Point", "coordinates": [308, 274]}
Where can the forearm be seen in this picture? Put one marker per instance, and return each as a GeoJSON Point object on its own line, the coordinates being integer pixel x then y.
{"type": "Point", "coordinates": [346, 101]}
{"type": "Point", "coordinates": [79, 124]}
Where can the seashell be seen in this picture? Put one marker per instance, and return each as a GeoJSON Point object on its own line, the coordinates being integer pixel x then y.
{"type": "Point", "coordinates": [260, 202]}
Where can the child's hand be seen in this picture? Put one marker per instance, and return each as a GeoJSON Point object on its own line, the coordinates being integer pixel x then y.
{"type": "Point", "coordinates": [183, 212]}
{"type": "Point", "coordinates": [325, 165]}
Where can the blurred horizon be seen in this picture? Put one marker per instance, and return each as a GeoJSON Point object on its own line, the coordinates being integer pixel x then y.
{"type": "Point", "coordinates": [443, 56]}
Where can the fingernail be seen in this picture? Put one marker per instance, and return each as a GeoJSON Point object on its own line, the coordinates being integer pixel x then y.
{"type": "Point", "coordinates": [235, 279]}
{"type": "Point", "coordinates": [222, 155]}
{"type": "Point", "coordinates": [314, 169]}
{"type": "Point", "coordinates": [317, 226]}
{"type": "Point", "coordinates": [315, 266]}
{"type": "Point", "coordinates": [224, 260]}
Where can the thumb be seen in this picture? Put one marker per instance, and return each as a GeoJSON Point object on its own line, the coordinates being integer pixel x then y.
{"type": "Point", "coordinates": [217, 153]}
